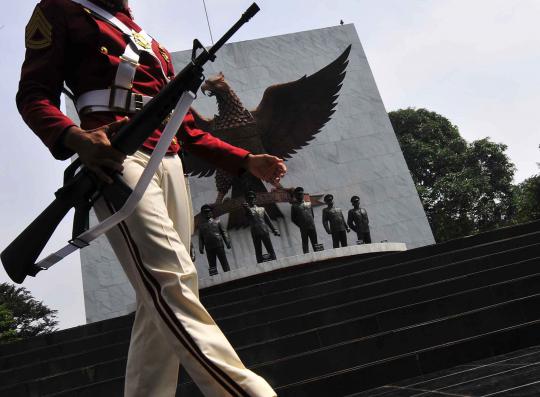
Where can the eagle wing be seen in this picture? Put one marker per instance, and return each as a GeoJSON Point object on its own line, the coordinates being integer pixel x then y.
{"type": "Point", "coordinates": [194, 165]}
{"type": "Point", "coordinates": [291, 114]}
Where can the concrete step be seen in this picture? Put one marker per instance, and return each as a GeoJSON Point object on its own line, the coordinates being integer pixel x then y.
{"type": "Point", "coordinates": [321, 272]}
{"type": "Point", "coordinates": [295, 307]}
{"type": "Point", "coordinates": [308, 338]}
{"type": "Point", "coordinates": [327, 321]}
{"type": "Point", "coordinates": [430, 346]}
{"type": "Point", "coordinates": [426, 251]}
{"type": "Point", "coordinates": [63, 349]}
{"type": "Point", "coordinates": [332, 354]}
{"type": "Point", "coordinates": [508, 374]}
{"type": "Point", "coordinates": [66, 345]}
{"type": "Point", "coordinates": [244, 335]}
{"type": "Point", "coordinates": [350, 322]}
{"type": "Point", "coordinates": [299, 282]}
{"type": "Point", "coordinates": [498, 285]}
{"type": "Point", "coordinates": [388, 371]}
{"type": "Point", "coordinates": [65, 335]}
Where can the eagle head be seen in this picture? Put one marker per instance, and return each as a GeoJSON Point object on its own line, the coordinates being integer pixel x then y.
{"type": "Point", "coordinates": [215, 85]}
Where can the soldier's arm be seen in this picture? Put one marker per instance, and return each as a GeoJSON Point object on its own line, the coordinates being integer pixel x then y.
{"type": "Point", "coordinates": [345, 223]}
{"type": "Point", "coordinates": [232, 159]}
{"type": "Point", "coordinates": [201, 241]}
{"type": "Point", "coordinates": [326, 221]}
{"type": "Point", "coordinates": [38, 98]}
{"type": "Point", "coordinates": [268, 221]}
{"type": "Point", "coordinates": [225, 235]}
{"type": "Point", "coordinates": [202, 144]}
{"type": "Point", "coordinates": [350, 220]}
{"type": "Point", "coordinates": [294, 215]}
{"type": "Point", "coordinates": [366, 216]}
{"type": "Point", "coordinates": [42, 76]}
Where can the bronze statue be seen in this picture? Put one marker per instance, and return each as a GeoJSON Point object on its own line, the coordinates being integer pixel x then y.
{"type": "Point", "coordinates": [287, 119]}
{"type": "Point", "coordinates": [358, 221]}
{"type": "Point", "coordinates": [261, 225]}
{"type": "Point", "coordinates": [302, 216]}
{"type": "Point", "coordinates": [334, 222]}
{"type": "Point", "coordinates": [212, 235]}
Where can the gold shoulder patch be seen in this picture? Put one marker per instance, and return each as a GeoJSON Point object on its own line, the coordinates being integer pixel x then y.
{"type": "Point", "coordinates": [38, 33]}
{"type": "Point", "coordinates": [164, 53]}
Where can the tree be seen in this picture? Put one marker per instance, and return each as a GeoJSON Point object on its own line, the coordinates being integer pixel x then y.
{"type": "Point", "coordinates": [23, 315]}
{"type": "Point", "coordinates": [465, 188]}
{"type": "Point", "coordinates": [8, 326]}
{"type": "Point", "coordinates": [527, 200]}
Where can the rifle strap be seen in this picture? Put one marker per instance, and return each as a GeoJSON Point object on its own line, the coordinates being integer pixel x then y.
{"type": "Point", "coordinates": [159, 152]}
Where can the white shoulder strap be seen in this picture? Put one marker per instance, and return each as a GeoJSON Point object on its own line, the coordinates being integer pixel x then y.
{"type": "Point", "coordinates": [141, 40]}
{"type": "Point", "coordinates": [105, 15]}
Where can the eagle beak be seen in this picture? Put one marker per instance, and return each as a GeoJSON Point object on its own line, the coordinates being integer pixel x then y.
{"type": "Point", "coordinates": [205, 89]}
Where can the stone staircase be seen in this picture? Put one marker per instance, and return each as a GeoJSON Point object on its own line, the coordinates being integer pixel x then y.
{"type": "Point", "coordinates": [338, 328]}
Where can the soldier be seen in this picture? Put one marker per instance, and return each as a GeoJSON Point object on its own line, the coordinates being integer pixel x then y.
{"type": "Point", "coordinates": [261, 225]}
{"type": "Point", "coordinates": [212, 236]}
{"type": "Point", "coordinates": [358, 221]}
{"type": "Point", "coordinates": [113, 67]}
{"type": "Point", "coordinates": [334, 223]}
{"type": "Point", "coordinates": [302, 216]}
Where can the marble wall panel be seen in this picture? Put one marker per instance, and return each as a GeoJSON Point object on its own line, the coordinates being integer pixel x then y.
{"type": "Point", "coordinates": [355, 153]}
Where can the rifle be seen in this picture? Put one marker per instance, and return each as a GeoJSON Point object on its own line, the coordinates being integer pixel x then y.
{"type": "Point", "coordinates": [81, 187]}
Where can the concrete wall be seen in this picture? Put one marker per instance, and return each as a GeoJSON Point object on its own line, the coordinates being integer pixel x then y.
{"type": "Point", "coordinates": [356, 153]}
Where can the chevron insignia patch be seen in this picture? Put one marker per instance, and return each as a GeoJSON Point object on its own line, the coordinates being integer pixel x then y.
{"type": "Point", "coordinates": [38, 33]}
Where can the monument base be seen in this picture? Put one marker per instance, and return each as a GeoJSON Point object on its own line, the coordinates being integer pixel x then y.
{"type": "Point", "coordinates": [280, 263]}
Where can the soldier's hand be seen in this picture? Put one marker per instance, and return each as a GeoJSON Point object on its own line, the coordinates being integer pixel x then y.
{"type": "Point", "coordinates": [276, 233]}
{"type": "Point", "coordinates": [201, 252]}
{"type": "Point", "coordinates": [228, 246]}
{"type": "Point", "coordinates": [95, 150]}
{"type": "Point", "coordinates": [268, 168]}
{"type": "Point", "coordinates": [348, 230]}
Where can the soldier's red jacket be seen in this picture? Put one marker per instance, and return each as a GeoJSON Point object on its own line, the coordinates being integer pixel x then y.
{"type": "Point", "coordinates": [67, 44]}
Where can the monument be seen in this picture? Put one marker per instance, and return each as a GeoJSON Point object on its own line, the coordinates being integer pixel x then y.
{"type": "Point", "coordinates": [355, 153]}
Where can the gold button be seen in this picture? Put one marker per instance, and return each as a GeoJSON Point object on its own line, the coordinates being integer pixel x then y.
{"type": "Point", "coordinates": [175, 141]}
{"type": "Point", "coordinates": [104, 50]}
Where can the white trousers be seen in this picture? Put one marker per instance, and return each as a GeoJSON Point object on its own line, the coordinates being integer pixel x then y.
{"type": "Point", "coordinates": [171, 325]}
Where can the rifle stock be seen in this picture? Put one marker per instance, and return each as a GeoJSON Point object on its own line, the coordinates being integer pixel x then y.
{"type": "Point", "coordinates": [81, 188]}
{"type": "Point", "coordinates": [20, 256]}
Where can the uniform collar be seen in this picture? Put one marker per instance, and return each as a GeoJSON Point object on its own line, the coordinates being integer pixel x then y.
{"type": "Point", "coordinates": [112, 7]}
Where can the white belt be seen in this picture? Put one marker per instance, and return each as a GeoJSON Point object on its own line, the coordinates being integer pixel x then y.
{"type": "Point", "coordinates": [111, 100]}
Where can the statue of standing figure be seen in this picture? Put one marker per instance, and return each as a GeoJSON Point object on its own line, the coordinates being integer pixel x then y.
{"type": "Point", "coordinates": [261, 225]}
{"type": "Point", "coordinates": [334, 222]}
{"type": "Point", "coordinates": [358, 221]}
{"type": "Point", "coordinates": [302, 216]}
{"type": "Point", "coordinates": [212, 236]}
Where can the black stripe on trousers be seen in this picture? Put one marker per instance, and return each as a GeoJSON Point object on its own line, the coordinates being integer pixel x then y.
{"type": "Point", "coordinates": [179, 331]}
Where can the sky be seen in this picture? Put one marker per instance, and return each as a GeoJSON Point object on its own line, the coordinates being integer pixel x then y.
{"type": "Point", "coordinates": [474, 61]}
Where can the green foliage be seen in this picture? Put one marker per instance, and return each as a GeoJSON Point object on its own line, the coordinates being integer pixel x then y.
{"type": "Point", "coordinates": [465, 188]}
{"type": "Point", "coordinates": [22, 314]}
{"type": "Point", "coordinates": [8, 326]}
{"type": "Point", "coordinates": [527, 200]}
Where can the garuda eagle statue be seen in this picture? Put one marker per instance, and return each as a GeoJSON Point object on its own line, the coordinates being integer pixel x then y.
{"type": "Point", "coordinates": [287, 119]}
